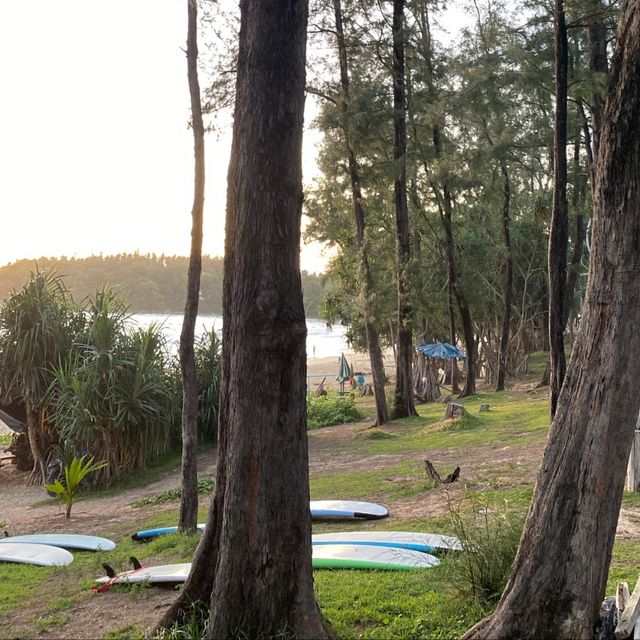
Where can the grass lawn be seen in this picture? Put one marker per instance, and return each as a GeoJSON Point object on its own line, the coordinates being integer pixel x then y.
{"type": "Point", "coordinates": [497, 479]}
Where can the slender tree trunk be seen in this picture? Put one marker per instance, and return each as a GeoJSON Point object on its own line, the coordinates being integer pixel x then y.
{"type": "Point", "coordinates": [508, 282]}
{"type": "Point", "coordinates": [560, 572]}
{"type": "Point", "coordinates": [366, 284]}
{"type": "Point", "coordinates": [253, 564]}
{"type": "Point", "coordinates": [597, 38]}
{"type": "Point", "coordinates": [463, 307]}
{"type": "Point", "coordinates": [558, 238]}
{"type": "Point", "coordinates": [455, 386]}
{"type": "Point", "coordinates": [578, 202]}
{"type": "Point", "coordinates": [445, 207]}
{"type": "Point", "coordinates": [404, 405]}
{"type": "Point", "coordinates": [188, 519]}
{"type": "Point", "coordinates": [38, 473]}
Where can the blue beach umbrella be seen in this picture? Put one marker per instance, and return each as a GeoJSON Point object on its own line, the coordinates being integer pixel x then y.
{"type": "Point", "coordinates": [441, 351]}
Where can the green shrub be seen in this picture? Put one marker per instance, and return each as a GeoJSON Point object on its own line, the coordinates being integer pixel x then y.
{"type": "Point", "coordinates": [324, 411]}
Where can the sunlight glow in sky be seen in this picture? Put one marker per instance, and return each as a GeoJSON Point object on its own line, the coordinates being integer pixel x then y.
{"type": "Point", "coordinates": [95, 154]}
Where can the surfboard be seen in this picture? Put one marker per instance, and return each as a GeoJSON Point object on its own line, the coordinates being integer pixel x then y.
{"type": "Point", "coordinates": [424, 542]}
{"type": "Point", "coordinates": [332, 556]}
{"type": "Point", "coordinates": [149, 534]}
{"type": "Point", "coordinates": [165, 573]}
{"type": "Point", "coordinates": [65, 541]}
{"type": "Point", "coordinates": [347, 509]}
{"type": "Point", "coordinates": [42, 555]}
{"type": "Point", "coordinates": [357, 556]}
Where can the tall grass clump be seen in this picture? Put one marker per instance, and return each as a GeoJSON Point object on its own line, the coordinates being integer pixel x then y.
{"type": "Point", "coordinates": [490, 538]}
{"type": "Point", "coordinates": [324, 411]}
{"type": "Point", "coordinates": [193, 627]}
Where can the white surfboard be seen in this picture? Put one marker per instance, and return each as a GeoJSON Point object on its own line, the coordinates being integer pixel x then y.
{"type": "Point", "coordinates": [161, 573]}
{"type": "Point", "coordinates": [425, 542]}
{"type": "Point", "coordinates": [347, 509]}
{"type": "Point", "coordinates": [65, 541]}
{"type": "Point", "coordinates": [356, 556]}
{"type": "Point", "coordinates": [42, 555]}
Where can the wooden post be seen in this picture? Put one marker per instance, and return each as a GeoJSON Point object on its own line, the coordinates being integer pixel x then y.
{"type": "Point", "coordinates": [627, 620]}
{"type": "Point", "coordinates": [632, 482]}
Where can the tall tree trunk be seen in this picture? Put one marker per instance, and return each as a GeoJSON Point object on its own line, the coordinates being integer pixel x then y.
{"type": "Point", "coordinates": [508, 282]}
{"type": "Point", "coordinates": [560, 572]}
{"type": "Point", "coordinates": [558, 237]}
{"type": "Point", "coordinates": [188, 519]}
{"type": "Point", "coordinates": [366, 284]}
{"type": "Point", "coordinates": [597, 38]}
{"type": "Point", "coordinates": [578, 197]}
{"type": "Point", "coordinates": [253, 564]}
{"type": "Point", "coordinates": [404, 405]}
{"type": "Point", "coordinates": [445, 207]}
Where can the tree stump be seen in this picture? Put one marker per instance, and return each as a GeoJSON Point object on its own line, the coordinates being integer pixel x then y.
{"type": "Point", "coordinates": [435, 476]}
{"type": "Point", "coordinates": [453, 410]}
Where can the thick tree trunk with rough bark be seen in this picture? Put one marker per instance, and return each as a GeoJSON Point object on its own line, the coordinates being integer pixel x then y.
{"type": "Point", "coordinates": [188, 518]}
{"type": "Point", "coordinates": [253, 564]}
{"type": "Point", "coordinates": [558, 238]}
{"type": "Point", "coordinates": [508, 281]}
{"type": "Point", "coordinates": [366, 284]}
{"type": "Point", "coordinates": [560, 572]}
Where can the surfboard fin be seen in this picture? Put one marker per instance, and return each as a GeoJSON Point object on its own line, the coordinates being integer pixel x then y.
{"type": "Point", "coordinates": [135, 562]}
{"type": "Point", "coordinates": [109, 569]}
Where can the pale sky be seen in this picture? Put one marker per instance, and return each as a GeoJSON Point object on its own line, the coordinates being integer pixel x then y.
{"type": "Point", "coordinates": [95, 154]}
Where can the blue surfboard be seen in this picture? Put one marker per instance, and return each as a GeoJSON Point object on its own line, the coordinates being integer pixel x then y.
{"type": "Point", "coordinates": [150, 534]}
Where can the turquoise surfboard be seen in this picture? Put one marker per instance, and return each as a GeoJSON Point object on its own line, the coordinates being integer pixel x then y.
{"type": "Point", "coordinates": [424, 542]}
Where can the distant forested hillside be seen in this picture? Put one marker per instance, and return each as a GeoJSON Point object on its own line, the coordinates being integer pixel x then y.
{"type": "Point", "coordinates": [148, 283]}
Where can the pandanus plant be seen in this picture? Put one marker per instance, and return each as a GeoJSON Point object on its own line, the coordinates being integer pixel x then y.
{"type": "Point", "coordinates": [37, 328]}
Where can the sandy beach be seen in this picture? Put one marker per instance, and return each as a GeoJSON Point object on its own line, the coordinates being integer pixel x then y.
{"type": "Point", "coordinates": [318, 368]}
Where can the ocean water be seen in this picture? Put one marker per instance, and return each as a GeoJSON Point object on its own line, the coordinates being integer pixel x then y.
{"type": "Point", "coordinates": [322, 341]}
